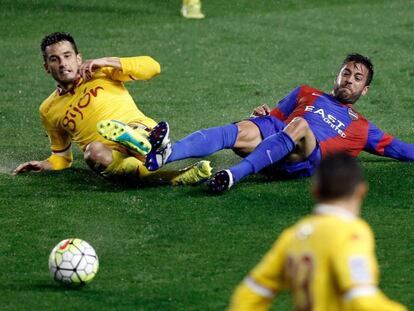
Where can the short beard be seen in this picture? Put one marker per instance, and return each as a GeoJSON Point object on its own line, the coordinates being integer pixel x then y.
{"type": "Point", "coordinates": [344, 99]}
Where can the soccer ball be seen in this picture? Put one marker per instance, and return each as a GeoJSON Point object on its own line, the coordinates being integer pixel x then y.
{"type": "Point", "coordinates": [73, 262]}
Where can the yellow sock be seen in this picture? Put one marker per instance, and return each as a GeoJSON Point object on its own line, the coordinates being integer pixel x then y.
{"type": "Point", "coordinates": [122, 165]}
{"type": "Point", "coordinates": [126, 168]}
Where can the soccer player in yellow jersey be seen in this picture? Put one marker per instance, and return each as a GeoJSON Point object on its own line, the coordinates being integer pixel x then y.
{"type": "Point", "coordinates": [327, 260]}
{"type": "Point", "coordinates": [87, 94]}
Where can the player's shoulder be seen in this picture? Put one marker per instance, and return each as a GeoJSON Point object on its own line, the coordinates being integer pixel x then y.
{"type": "Point", "coordinates": [309, 89]}
{"type": "Point", "coordinates": [357, 235]}
{"type": "Point", "coordinates": [48, 102]}
{"type": "Point", "coordinates": [355, 231]}
{"type": "Point", "coordinates": [286, 236]}
{"type": "Point", "coordinates": [360, 225]}
{"type": "Point", "coordinates": [333, 228]}
{"type": "Point", "coordinates": [306, 90]}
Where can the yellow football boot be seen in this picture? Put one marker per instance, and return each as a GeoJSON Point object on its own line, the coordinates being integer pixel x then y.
{"type": "Point", "coordinates": [193, 174]}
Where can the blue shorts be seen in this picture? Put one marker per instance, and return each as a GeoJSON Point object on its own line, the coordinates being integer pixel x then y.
{"type": "Point", "coordinates": [268, 126]}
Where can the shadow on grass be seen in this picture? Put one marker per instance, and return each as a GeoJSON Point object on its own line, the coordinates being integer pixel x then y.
{"type": "Point", "coordinates": [52, 287]}
{"type": "Point", "coordinates": [41, 286]}
{"type": "Point", "coordinates": [258, 182]}
{"type": "Point", "coordinates": [105, 297]}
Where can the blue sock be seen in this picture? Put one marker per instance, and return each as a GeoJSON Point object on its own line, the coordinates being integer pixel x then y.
{"type": "Point", "coordinates": [269, 151]}
{"type": "Point", "coordinates": [204, 142]}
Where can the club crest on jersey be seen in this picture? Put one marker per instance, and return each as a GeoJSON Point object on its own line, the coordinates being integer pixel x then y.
{"type": "Point", "coordinates": [352, 114]}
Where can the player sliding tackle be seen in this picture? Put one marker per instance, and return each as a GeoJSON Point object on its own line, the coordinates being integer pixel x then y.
{"type": "Point", "coordinates": [326, 260]}
{"type": "Point", "coordinates": [292, 138]}
{"type": "Point", "coordinates": [87, 95]}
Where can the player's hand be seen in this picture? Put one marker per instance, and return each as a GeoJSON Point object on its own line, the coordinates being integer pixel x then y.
{"type": "Point", "coordinates": [262, 110]}
{"type": "Point", "coordinates": [89, 66]}
{"type": "Point", "coordinates": [34, 166]}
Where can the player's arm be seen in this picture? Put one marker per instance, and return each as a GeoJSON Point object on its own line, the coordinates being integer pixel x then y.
{"type": "Point", "coordinates": [356, 269]}
{"type": "Point", "coordinates": [282, 109]}
{"type": "Point", "coordinates": [57, 161]}
{"type": "Point", "coordinates": [259, 288]}
{"type": "Point", "coordinates": [35, 166]}
{"type": "Point", "coordinates": [250, 295]}
{"type": "Point", "coordinates": [371, 299]}
{"type": "Point", "coordinates": [122, 69]}
{"type": "Point", "coordinates": [61, 157]}
{"type": "Point", "coordinates": [286, 106]}
{"type": "Point", "coordinates": [381, 143]}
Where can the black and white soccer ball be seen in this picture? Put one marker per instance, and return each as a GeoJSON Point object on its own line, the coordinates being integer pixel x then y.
{"type": "Point", "coordinates": [73, 262]}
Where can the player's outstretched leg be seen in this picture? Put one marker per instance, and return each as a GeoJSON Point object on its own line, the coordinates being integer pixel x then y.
{"type": "Point", "coordinates": [198, 144]}
{"type": "Point", "coordinates": [269, 151]}
{"type": "Point", "coordinates": [133, 139]}
{"type": "Point", "coordinates": [117, 166]}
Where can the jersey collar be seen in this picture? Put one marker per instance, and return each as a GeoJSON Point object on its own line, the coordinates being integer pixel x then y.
{"type": "Point", "coordinates": [333, 210]}
{"type": "Point", "coordinates": [348, 104]}
{"type": "Point", "coordinates": [61, 91]}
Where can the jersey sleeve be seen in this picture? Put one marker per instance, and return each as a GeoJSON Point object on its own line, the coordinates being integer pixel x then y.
{"type": "Point", "coordinates": [60, 141]}
{"type": "Point", "coordinates": [374, 302]}
{"type": "Point", "coordinates": [354, 263]}
{"type": "Point", "coordinates": [258, 289]}
{"type": "Point", "coordinates": [246, 299]}
{"type": "Point", "coordinates": [285, 107]}
{"type": "Point", "coordinates": [134, 68]}
{"type": "Point", "coordinates": [269, 272]}
{"type": "Point", "coordinates": [381, 143]}
{"type": "Point", "coordinates": [356, 270]}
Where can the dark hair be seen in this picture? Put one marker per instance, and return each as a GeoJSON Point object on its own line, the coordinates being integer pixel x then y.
{"type": "Point", "coordinates": [361, 59]}
{"type": "Point", "coordinates": [338, 176]}
{"type": "Point", "coordinates": [55, 38]}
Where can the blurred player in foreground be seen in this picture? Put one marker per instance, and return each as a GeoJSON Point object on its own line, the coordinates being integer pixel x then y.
{"type": "Point", "coordinates": [87, 95]}
{"type": "Point", "coordinates": [192, 9]}
{"type": "Point", "coordinates": [291, 139]}
{"type": "Point", "coordinates": [326, 260]}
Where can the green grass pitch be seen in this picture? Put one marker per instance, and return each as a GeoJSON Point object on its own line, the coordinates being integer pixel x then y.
{"type": "Point", "coordinates": [177, 248]}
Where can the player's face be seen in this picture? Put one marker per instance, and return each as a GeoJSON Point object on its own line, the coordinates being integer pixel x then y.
{"type": "Point", "coordinates": [350, 82]}
{"type": "Point", "coordinates": [62, 62]}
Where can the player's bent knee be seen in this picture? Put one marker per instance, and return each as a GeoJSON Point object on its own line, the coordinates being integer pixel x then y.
{"type": "Point", "coordinates": [97, 154]}
{"type": "Point", "coordinates": [297, 128]}
{"type": "Point", "coordinates": [299, 123]}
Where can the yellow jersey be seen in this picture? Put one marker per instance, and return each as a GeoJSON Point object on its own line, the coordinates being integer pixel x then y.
{"type": "Point", "coordinates": [71, 116]}
{"type": "Point", "coordinates": [327, 260]}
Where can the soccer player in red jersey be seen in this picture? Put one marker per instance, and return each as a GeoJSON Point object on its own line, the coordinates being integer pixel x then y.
{"type": "Point", "coordinates": [291, 139]}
